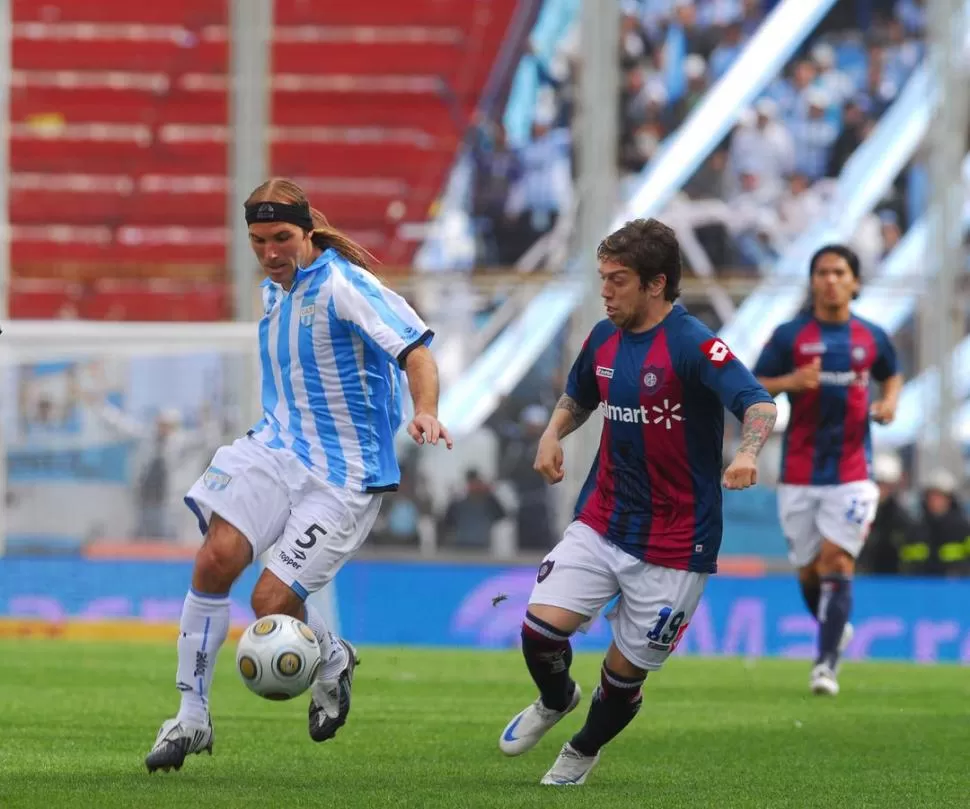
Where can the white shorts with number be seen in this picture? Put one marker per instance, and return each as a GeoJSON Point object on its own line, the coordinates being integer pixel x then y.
{"type": "Point", "coordinates": [584, 571]}
{"type": "Point", "coordinates": [841, 513]}
{"type": "Point", "coordinates": [274, 501]}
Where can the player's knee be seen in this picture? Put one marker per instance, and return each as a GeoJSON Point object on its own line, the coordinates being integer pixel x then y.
{"type": "Point", "coordinates": [808, 574]}
{"type": "Point", "coordinates": [835, 560]}
{"type": "Point", "coordinates": [272, 597]}
{"type": "Point", "coordinates": [617, 663]}
{"type": "Point", "coordinates": [222, 557]}
{"type": "Point", "coordinates": [562, 620]}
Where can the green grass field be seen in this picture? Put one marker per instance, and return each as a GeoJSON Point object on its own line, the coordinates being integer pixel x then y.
{"type": "Point", "coordinates": [76, 720]}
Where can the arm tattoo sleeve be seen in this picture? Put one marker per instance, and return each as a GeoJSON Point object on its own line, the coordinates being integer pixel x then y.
{"type": "Point", "coordinates": [577, 413]}
{"type": "Point", "coordinates": [759, 419]}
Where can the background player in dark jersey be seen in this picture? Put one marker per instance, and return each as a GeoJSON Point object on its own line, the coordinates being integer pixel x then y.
{"type": "Point", "coordinates": [648, 521]}
{"type": "Point", "coordinates": [824, 360]}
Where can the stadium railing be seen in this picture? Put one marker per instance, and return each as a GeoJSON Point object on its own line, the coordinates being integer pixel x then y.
{"type": "Point", "coordinates": [778, 38]}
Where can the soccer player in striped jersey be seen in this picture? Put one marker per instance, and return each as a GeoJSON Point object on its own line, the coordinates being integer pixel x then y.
{"type": "Point", "coordinates": [648, 522]}
{"type": "Point", "coordinates": [824, 360]}
{"type": "Point", "coordinates": [305, 483]}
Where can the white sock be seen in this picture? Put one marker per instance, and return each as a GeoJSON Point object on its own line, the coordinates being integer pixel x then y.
{"type": "Point", "coordinates": [331, 649]}
{"type": "Point", "coordinates": [202, 631]}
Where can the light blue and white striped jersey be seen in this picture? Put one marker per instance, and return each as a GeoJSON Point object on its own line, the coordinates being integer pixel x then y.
{"type": "Point", "coordinates": [331, 349]}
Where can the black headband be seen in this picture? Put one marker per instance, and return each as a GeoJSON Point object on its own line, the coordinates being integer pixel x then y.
{"type": "Point", "coordinates": [260, 212]}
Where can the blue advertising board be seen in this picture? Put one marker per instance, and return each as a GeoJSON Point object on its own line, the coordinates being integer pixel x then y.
{"type": "Point", "coordinates": [438, 604]}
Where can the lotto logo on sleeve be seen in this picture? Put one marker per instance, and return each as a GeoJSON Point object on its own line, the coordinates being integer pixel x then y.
{"type": "Point", "coordinates": [717, 352]}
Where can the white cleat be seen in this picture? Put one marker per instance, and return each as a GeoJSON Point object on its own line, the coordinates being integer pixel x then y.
{"type": "Point", "coordinates": [823, 682]}
{"type": "Point", "coordinates": [570, 769]}
{"type": "Point", "coordinates": [525, 730]}
{"type": "Point", "coordinates": [175, 741]}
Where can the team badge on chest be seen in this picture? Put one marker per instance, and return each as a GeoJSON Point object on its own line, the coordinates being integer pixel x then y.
{"type": "Point", "coordinates": [653, 379]}
{"type": "Point", "coordinates": [306, 314]}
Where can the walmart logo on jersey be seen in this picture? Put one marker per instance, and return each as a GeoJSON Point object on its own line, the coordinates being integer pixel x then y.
{"type": "Point", "coordinates": [844, 379]}
{"type": "Point", "coordinates": [666, 413]}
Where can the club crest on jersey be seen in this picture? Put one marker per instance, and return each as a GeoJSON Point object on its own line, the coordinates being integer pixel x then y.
{"type": "Point", "coordinates": [215, 479]}
{"type": "Point", "coordinates": [306, 314]}
{"type": "Point", "coordinates": [859, 353]}
{"type": "Point", "coordinates": [653, 378]}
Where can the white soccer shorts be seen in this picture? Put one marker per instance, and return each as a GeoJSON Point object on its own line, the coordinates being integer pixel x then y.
{"type": "Point", "coordinates": [584, 571]}
{"type": "Point", "coordinates": [313, 528]}
{"type": "Point", "coordinates": [841, 513]}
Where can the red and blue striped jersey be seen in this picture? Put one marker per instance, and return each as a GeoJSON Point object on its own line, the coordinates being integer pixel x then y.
{"type": "Point", "coordinates": [654, 489]}
{"type": "Point", "coordinates": [827, 439]}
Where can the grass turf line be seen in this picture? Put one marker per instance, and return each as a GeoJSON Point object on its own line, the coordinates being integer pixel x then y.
{"type": "Point", "coordinates": [78, 719]}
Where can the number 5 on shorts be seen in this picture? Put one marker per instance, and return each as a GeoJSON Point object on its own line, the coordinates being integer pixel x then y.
{"type": "Point", "coordinates": [312, 534]}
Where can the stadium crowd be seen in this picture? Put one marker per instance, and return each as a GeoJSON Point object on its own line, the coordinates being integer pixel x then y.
{"type": "Point", "coordinates": [770, 176]}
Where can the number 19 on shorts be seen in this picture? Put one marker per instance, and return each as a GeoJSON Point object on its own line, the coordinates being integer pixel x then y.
{"type": "Point", "coordinates": [669, 628]}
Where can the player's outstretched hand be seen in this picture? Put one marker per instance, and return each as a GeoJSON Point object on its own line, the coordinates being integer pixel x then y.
{"type": "Point", "coordinates": [882, 412]}
{"type": "Point", "coordinates": [742, 472]}
{"type": "Point", "coordinates": [426, 428]}
{"type": "Point", "coordinates": [549, 459]}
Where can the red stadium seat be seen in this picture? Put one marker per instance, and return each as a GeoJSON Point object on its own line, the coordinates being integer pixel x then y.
{"type": "Point", "coordinates": [381, 12]}
{"type": "Point", "coordinates": [119, 106]}
{"type": "Point", "coordinates": [121, 54]}
{"type": "Point", "coordinates": [118, 130]}
{"type": "Point", "coordinates": [171, 12]}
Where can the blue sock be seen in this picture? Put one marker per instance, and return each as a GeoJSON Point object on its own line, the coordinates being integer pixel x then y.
{"type": "Point", "coordinates": [834, 609]}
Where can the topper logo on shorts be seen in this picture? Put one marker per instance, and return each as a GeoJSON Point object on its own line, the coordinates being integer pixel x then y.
{"type": "Point", "coordinates": [215, 479]}
{"type": "Point", "coordinates": [288, 560]}
{"type": "Point", "coordinates": [544, 570]}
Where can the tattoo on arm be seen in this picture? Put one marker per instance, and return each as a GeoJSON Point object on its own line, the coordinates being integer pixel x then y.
{"type": "Point", "coordinates": [759, 420]}
{"type": "Point", "coordinates": [577, 414]}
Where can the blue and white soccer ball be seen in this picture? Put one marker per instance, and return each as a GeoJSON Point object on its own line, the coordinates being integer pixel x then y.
{"type": "Point", "coordinates": [278, 657]}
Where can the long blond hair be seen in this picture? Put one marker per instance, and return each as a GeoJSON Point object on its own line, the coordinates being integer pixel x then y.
{"type": "Point", "coordinates": [323, 235]}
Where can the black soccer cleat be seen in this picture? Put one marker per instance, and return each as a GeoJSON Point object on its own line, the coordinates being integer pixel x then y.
{"type": "Point", "coordinates": [330, 700]}
{"type": "Point", "coordinates": [174, 742]}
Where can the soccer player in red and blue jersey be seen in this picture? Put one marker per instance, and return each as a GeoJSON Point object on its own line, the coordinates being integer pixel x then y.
{"type": "Point", "coordinates": [824, 360]}
{"type": "Point", "coordinates": [648, 522]}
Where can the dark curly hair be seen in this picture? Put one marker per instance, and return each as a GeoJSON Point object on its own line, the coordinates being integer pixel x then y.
{"type": "Point", "coordinates": [649, 248]}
